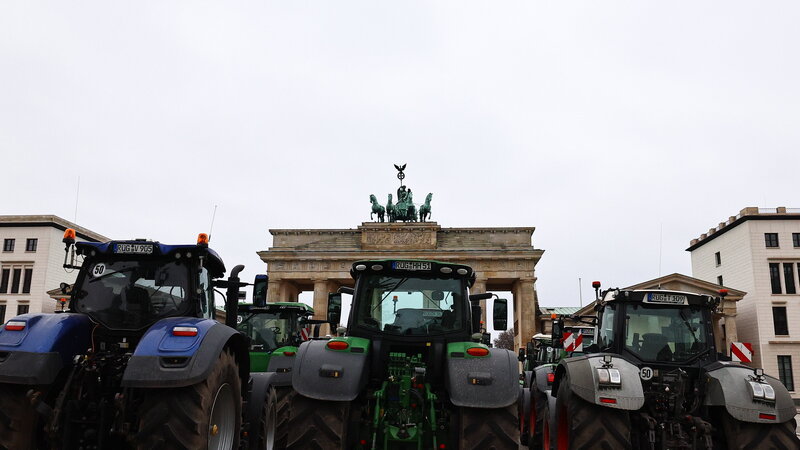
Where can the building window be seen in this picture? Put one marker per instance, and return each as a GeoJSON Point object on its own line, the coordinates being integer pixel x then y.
{"type": "Point", "coordinates": [3, 313]}
{"type": "Point", "coordinates": [26, 285]}
{"type": "Point", "coordinates": [20, 276]}
{"type": "Point", "coordinates": [779, 321]}
{"type": "Point", "coordinates": [8, 245]}
{"type": "Point", "coordinates": [6, 274]}
{"type": "Point", "coordinates": [785, 371]}
{"type": "Point", "coordinates": [788, 277]}
{"type": "Point", "coordinates": [31, 244]}
{"type": "Point", "coordinates": [796, 240]}
{"type": "Point", "coordinates": [23, 309]}
{"type": "Point", "coordinates": [775, 277]}
{"type": "Point", "coordinates": [718, 258]}
{"type": "Point", "coordinates": [719, 280]}
{"type": "Point", "coordinates": [771, 239]}
{"type": "Point", "coordinates": [17, 276]}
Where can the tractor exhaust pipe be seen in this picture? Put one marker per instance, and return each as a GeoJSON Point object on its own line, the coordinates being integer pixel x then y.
{"type": "Point", "coordinates": [232, 297]}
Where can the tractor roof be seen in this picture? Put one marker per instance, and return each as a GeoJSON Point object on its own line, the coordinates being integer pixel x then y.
{"type": "Point", "coordinates": [143, 249]}
{"type": "Point", "coordinates": [660, 297]}
{"type": "Point", "coordinates": [419, 267]}
{"type": "Point", "coordinates": [277, 307]}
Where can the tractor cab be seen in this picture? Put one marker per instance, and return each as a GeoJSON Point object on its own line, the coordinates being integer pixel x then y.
{"type": "Point", "coordinates": [130, 285]}
{"type": "Point", "coordinates": [657, 327]}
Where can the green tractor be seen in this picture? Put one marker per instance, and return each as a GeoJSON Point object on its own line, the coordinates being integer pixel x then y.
{"type": "Point", "coordinates": [539, 361]}
{"type": "Point", "coordinates": [410, 371]}
{"type": "Point", "coordinates": [275, 330]}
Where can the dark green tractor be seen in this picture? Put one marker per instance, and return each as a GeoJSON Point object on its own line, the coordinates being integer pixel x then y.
{"type": "Point", "coordinates": [410, 371]}
{"type": "Point", "coordinates": [275, 331]}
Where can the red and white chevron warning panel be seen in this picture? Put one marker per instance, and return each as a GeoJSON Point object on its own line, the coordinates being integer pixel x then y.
{"type": "Point", "coordinates": [742, 352]}
{"type": "Point", "coordinates": [573, 342]}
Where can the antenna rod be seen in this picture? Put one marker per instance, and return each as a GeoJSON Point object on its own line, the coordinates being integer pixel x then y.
{"type": "Point", "coordinates": [580, 291]}
{"type": "Point", "coordinates": [211, 228]}
{"type": "Point", "coordinates": [77, 195]}
{"type": "Point", "coordinates": [660, 247]}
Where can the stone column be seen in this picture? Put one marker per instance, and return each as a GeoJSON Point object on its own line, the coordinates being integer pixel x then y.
{"type": "Point", "coordinates": [321, 290]}
{"type": "Point", "coordinates": [525, 309]}
{"type": "Point", "coordinates": [479, 287]}
{"type": "Point", "coordinates": [274, 290]}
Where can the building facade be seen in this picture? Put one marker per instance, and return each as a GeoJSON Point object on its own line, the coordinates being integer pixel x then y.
{"type": "Point", "coordinates": [758, 251]}
{"type": "Point", "coordinates": [31, 261]}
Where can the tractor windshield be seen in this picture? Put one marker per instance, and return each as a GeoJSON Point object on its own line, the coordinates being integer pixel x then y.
{"type": "Point", "coordinates": [131, 295]}
{"type": "Point", "coordinates": [269, 331]}
{"type": "Point", "coordinates": [668, 334]}
{"type": "Point", "coordinates": [411, 306]}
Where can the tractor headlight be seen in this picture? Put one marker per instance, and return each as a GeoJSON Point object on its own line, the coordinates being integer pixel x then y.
{"type": "Point", "coordinates": [609, 377]}
{"type": "Point", "coordinates": [762, 391]}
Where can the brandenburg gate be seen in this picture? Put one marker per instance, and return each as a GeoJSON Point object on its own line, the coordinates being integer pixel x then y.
{"type": "Point", "coordinates": [504, 259]}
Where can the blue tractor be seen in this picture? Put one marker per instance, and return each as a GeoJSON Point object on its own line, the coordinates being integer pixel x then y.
{"type": "Point", "coordinates": [137, 360]}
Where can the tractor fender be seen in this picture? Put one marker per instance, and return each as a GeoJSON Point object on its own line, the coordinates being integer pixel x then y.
{"type": "Point", "coordinates": [483, 382]}
{"type": "Point", "coordinates": [38, 352]}
{"type": "Point", "coordinates": [260, 384]}
{"type": "Point", "coordinates": [322, 373]}
{"type": "Point", "coordinates": [164, 360]}
{"type": "Point", "coordinates": [727, 385]}
{"type": "Point", "coordinates": [541, 373]}
{"type": "Point", "coordinates": [280, 365]}
{"type": "Point", "coordinates": [582, 371]}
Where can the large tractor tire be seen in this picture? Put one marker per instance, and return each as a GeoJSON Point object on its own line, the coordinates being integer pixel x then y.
{"type": "Point", "coordinates": [579, 425]}
{"type": "Point", "coordinates": [284, 396]}
{"type": "Point", "coordinates": [265, 440]}
{"type": "Point", "coordinates": [206, 415]}
{"type": "Point", "coordinates": [524, 415]}
{"type": "Point", "coordinates": [762, 436]}
{"type": "Point", "coordinates": [317, 424]}
{"type": "Point", "coordinates": [489, 429]}
{"type": "Point", "coordinates": [536, 418]}
{"type": "Point", "coordinates": [18, 419]}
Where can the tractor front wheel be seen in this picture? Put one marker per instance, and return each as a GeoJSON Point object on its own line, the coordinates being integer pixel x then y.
{"type": "Point", "coordinates": [284, 396]}
{"type": "Point", "coordinates": [579, 424]}
{"type": "Point", "coordinates": [317, 424]}
{"type": "Point", "coordinates": [489, 429]}
{"type": "Point", "coordinates": [17, 418]}
{"type": "Point", "coordinates": [206, 415]}
{"type": "Point", "coordinates": [745, 435]}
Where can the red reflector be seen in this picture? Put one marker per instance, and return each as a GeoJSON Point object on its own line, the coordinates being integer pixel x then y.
{"type": "Point", "coordinates": [363, 442]}
{"type": "Point", "coordinates": [551, 377]}
{"type": "Point", "coordinates": [288, 353]}
{"type": "Point", "coordinates": [609, 400]}
{"type": "Point", "coordinates": [477, 351]}
{"type": "Point", "coordinates": [442, 446]}
{"type": "Point", "coordinates": [766, 416]}
{"type": "Point", "coordinates": [184, 331]}
{"type": "Point", "coordinates": [15, 325]}
{"type": "Point", "coordinates": [338, 345]}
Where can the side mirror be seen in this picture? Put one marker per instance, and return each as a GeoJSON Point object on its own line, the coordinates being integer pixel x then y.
{"type": "Point", "coordinates": [500, 314]}
{"type": "Point", "coordinates": [334, 308]}
{"type": "Point", "coordinates": [521, 355]}
{"type": "Point", "coordinates": [346, 290]}
{"type": "Point", "coordinates": [558, 333]}
{"type": "Point", "coordinates": [260, 290]}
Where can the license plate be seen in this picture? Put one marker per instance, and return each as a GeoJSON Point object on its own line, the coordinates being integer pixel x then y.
{"type": "Point", "coordinates": [672, 299]}
{"type": "Point", "coordinates": [134, 249]}
{"type": "Point", "coordinates": [411, 265]}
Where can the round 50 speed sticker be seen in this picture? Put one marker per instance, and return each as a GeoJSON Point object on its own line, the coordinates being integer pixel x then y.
{"type": "Point", "coordinates": [646, 373]}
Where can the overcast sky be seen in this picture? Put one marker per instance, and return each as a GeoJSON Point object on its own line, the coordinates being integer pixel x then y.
{"type": "Point", "coordinates": [599, 123]}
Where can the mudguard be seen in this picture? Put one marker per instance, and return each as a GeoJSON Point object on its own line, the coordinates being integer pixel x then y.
{"type": "Point", "coordinates": [540, 374]}
{"type": "Point", "coordinates": [260, 384]}
{"type": "Point", "coordinates": [164, 360]}
{"type": "Point", "coordinates": [280, 365]}
{"type": "Point", "coordinates": [325, 374]}
{"type": "Point", "coordinates": [482, 382]}
{"type": "Point", "coordinates": [582, 371]}
{"type": "Point", "coordinates": [37, 353]}
{"type": "Point", "coordinates": [727, 386]}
